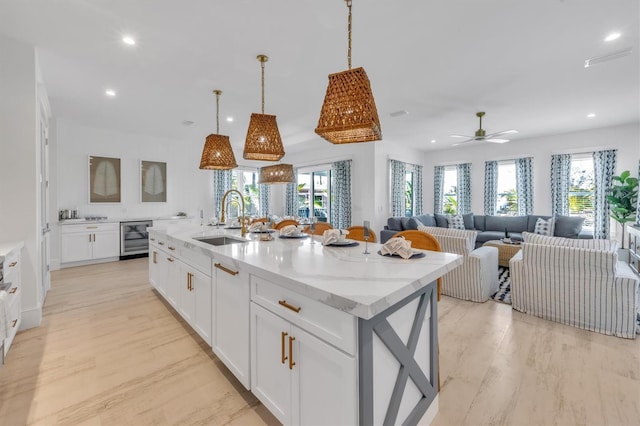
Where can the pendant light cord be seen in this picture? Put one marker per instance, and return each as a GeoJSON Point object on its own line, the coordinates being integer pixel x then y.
{"type": "Point", "coordinates": [349, 33]}
{"type": "Point", "coordinates": [217, 112]}
{"type": "Point", "coordinates": [262, 64]}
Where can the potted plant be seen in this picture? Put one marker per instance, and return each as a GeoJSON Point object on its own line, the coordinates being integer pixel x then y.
{"type": "Point", "coordinates": [623, 197]}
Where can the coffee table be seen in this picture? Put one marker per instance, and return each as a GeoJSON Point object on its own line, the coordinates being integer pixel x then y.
{"type": "Point", "coordinates": [505, 251]}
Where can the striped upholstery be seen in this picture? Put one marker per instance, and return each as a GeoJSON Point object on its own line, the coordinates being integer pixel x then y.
{"type": "Point", "coordinates": [604, 245]}
{"type": "Point", "coordinates": [582, 287]}
{"type": "Point", "coordinates": [477, 278]}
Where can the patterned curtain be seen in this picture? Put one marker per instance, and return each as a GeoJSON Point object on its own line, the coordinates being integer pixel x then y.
{"type": "Point", "coordinates": [464, 188]}
{"type": "Point", "coordinates": [638, 209]}
{"type": "Point", "coordinates": [417, 190]}
{"type": "Point", "coordinates": [291, 209]}
{"type": "Point", "coordinates": [265, 198]}
{"type": "Point", "coordinates": [490, 187]}
{"type": "Point", "coordinates": [221, 184]}
{"type": "Point", "coordinates": [438, 183]}
{"type": "Point", "coordinates": [341, 193]}
{"type": "Point", "coordinates": [398, 173]}
{"type": "Point", "coordinates": [604, 166]}
{"type": "Point", "coordinates": [524, 186]}
{"type": "Point", "coordinates": [560, 182]}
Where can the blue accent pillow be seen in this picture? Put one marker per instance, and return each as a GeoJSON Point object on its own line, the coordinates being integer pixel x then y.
{"type": "Point", "coordinates": [441, 220]}
{"type": "Point", "coordinates": [568, 226]}
{"type": "Point", "coordinates": [468, 221]}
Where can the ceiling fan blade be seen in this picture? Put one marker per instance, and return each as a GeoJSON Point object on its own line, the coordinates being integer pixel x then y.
{"type": "Point", "coordinates": [496, 140]}
{"type": "Point", "coordinates": [463, 142]}
{"type": "Point", "coordinates": [461, 136]}
{"type": "Point", "coordinates": [504, 132]}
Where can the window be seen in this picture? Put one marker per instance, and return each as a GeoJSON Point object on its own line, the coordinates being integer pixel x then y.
{"type": "Point", "coordinates": [245, 181]}
{"type": "Point", "coordinates": [507, 202]}
{"type": "Point", "coordinates": [315, 184]}
{"type": "Point", "coordinates": [581, 188]}
{"type": "Point", "coordinates": [450, 189]}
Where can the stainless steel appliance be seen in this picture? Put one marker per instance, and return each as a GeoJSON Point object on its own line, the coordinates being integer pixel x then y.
{"type": "Point", "coordinates": [134, 238]}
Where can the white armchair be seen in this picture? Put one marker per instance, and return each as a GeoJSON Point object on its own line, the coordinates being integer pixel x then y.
{"type": "Point", "coordinates": [477, 278]}
{"type": "Point", "coordinates": [575, 282]}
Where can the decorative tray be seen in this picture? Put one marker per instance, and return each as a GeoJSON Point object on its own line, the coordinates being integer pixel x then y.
{"type": "Point", "coordinates": [513, 242]}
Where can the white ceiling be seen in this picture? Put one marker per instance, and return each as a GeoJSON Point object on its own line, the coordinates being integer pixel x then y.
{"type": "Point", "coordinates": [521, 61]}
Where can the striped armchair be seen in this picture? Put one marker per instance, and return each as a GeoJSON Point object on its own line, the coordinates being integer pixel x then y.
{"type": "Point", "coordinates": [477, 278]}
{"type": "Point", "coordinates": [575, 282]}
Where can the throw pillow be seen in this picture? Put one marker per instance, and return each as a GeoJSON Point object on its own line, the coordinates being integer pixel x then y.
{"type": "Point", "coordinates": [456, 222]}
{"type": "Point", "coordinates": [544, 227]}
{"type": "Point", "coordinates": [441, 220]}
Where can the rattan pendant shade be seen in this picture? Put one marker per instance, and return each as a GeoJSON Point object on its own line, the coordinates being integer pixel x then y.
{"type": "Point", "coordinates": [217, 153]}
{"type": "Point", "coordinates": [279, 173]}
{"type": "Point", "coordinates": [349, 112]}
{"type": "Point", "coordinates": [263, 137]}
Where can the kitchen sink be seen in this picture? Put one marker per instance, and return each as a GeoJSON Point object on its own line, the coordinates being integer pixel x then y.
{"type": "Point", "coordinates": [221, 240]}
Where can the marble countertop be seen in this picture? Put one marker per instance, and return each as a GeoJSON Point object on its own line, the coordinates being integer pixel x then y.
{"type": "Point", "coordinates": [342, 277]}
{"type": "Point", "coordinates": [118, 220]}
{"type": "Point", "coordinates": [7, 247]}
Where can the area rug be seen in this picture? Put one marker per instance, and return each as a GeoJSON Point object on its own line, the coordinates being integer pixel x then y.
{"type": "Point", "coordinates": [504, 286]}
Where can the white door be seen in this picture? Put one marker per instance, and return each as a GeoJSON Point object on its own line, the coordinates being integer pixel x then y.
{"type": "Point", "coordinates": [44, 208]}
{"type": "Point", "coordinates": [157, 269]}
{"type": "Point", "coordinates": [322, 377]}
{"type": "Point", "coordinates": [76, 246]}
{"type": "Point", "coordinates": [270, 374]}
{"type": "Point", "coordinates": [186, 297]}
{"type": "Point", "coordinates": [201, 290]}
{"type": "Point", "coordinates": [106, 244]}
{"type": "Point", "coordinates": [174, 279]}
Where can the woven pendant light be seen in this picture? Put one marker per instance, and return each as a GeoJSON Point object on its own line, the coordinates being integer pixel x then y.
{"type": "Point", "coordinates": [217, 153]}
{"type": "Point", "coordinates": [349, 112]}
{"type": "Point", "coordinates": [279, 173]}
{"type": "Point", "coordinates": [263, 138]}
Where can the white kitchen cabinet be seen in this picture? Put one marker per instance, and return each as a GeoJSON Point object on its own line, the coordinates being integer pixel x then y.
{"type": "Point", "coordinates": [298, 376]}
{"type": "Point", "coordinates": [13, 282]}
{"type": "Point", "coordinates": [82, 242]}
{"type": "Point", "coordinates": [231, 306]}
{"type": "Point", "coordinates": [194, 298]}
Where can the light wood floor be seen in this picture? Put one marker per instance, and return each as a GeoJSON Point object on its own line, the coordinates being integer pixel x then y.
{"type": "Point", "coordinates": [110, 352]}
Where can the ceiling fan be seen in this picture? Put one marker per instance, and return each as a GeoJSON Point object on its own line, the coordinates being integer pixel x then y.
{"type": "Point", "coordinates": [482, 136]}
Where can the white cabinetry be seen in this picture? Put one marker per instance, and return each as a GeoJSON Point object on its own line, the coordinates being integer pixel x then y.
{"type": "Point", "coordinates": [82, 242]}
{"type": "Point", "coordinates": [299, 377]}
{"type": "Point", "coordinates": [12, 303]}
{"type": "Point", "coordinates": [231, 306]}
{"type": "Point", "coordinates": [634, 248]}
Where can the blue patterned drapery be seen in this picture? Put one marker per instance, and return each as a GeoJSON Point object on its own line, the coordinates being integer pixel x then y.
{"type": "Point", "coordinates": [398, 182]}
{"type": "Point", "coordinates": [221, 184]}
{"type": "Point", "coordinates": [438, 183]}
{"type": "Point", "coordinates": [604, 166]}
{"type": "Point", "coordinates": [638, 209]}
{"type": "Point", "coordinates": [524, 186]}
{"type": "Point", "coordinates": [265, 198]}
{"type": "Point", "coordinates": [417, 190]}
{"type": "Point", "coordinates": [291, 207]}
{"type": "Point", "coordinates": [341, 193]}
{"type": "Point", "coordinates": [464, 188]}
{"type": "Point", "coordinates": [490, 187]}
{"type": "Point", "coordinates": [560, 183]}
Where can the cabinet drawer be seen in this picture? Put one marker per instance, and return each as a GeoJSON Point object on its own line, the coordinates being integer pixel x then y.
{"type": "Point", "coordinates": [327, 323]}
{"type": "Point", "coordinates": [193, 257]}
{"type": "Point", "coordinates": [90, 227]}
{"type": "Point", "coordinates": [634, 262]}
{"type": "Point", "coordinates": [12, 268]}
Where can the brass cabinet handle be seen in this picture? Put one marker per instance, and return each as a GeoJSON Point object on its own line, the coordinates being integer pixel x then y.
{"type": "Point", "coordinates": [155, 257]}
{"type": "Point", "coordinates": [15, 321]}
{"type": "Point", "coordinates": [169, 259]}
{"type": "Point", "coordinates": [224, 268]}
{"type": "Point", "coordinates": [291, 361]}
{"type": "Point", "coordinates": [288, 306]}
{"type": "Point", "coordinates": [171, 248]}
{"type": "Point", "coordinates": [12, 264]}
{"type": "Point", "coordinates": [283, 356]}
{"type": "Point", "coordinates": [189, 281]}
{"type": "Point", "coordinates": [13, 290]}
{"type": "Point", "coordinates": [161, 243]}
{"type": "Point", "coordinates": [152, 239]}
{"type": "Point", "coordinates": [89, 237]}
{"type": "Point", "coordinates": [92, 227]}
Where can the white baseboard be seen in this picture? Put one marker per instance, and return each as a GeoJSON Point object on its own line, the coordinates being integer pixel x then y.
{"type": "Point", "coordinates": [89, 262]}
{"type": "Point", "coordinates": [54, 264]}
{"type": "Point", "coordinates": [31, 318]}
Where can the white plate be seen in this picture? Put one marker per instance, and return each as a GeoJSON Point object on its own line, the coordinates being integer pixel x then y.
{"type": "Point", "coordinates": [342, 243]}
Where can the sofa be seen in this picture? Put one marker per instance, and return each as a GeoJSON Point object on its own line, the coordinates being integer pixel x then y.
{"type": "Point", "coordinates": [477, 278]}
{"type": "Point", "coordinates": [489, 227]}
{"type": "Point", "coordinates": [580, 283]}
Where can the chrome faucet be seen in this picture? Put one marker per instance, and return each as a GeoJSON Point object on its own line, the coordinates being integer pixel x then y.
{"type": "Point", "coordinates": [243, 229]}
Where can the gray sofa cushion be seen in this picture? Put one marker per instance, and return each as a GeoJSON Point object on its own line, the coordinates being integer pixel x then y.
{"type": "Point", "coordinates": [394, 224]}
{"type": "Point", "coordinates": [441, 220]}
{"type": "Point", "coordinates": [405, 222]}
{"type": "Point", "coordinates": [510, 223]}
{"type": "Point", "coordinates": [531, 226]}
{"type": "Point", "coordinates": [425, 219]}
{"type": "Point", "coordinates": [468, 221]}
{"type": "Point", "coordinates": [478, 222]}
{"type": "Point", "coordinates": [568, 226]}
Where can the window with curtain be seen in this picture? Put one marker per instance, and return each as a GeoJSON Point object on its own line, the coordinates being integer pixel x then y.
{"type": "Point", "coordinates": [314, 192]}
{"type": "Point", "coordinates": [256, 197]}
{"type": "Point", "coordinates": [406, 188]}
{"type": "Point", "coordinates": [450, 190]}
{"type": "Point", "coordinates": [509, 187]}
{"type": "Point", "coordinates": [291, 206]}
{"type": "Point", "coordinates": [341, 194]}
{"type": "Point", "coordinates": [581, 189]}
{"type": "Point", "coordinates": [507, 195]}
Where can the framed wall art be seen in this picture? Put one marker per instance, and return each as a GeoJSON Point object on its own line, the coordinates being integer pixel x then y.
{"type": "Point", "coordinates": [104, 179]}
{"type": "Point", "coordinates": [153, 182]}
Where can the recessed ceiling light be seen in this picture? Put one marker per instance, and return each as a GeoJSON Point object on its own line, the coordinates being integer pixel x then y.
{"type": "Point", "coordinates": [612, 36]}
{"type": "Point", "coordinates": [110, 92]}
{"type": "Point", "coordinates": [128, 40]}
{"type": "Point", "coordinates": [230, 119]}
{"type": "Point", "coordinates": [433, 141]}
{"type": "Point", "coordinates": [591, 115]}
{"type": "Point", "coordinates": [399, 113]}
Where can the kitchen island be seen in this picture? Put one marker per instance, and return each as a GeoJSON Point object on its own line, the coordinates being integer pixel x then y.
{"type": "Point", "coordinates": [325, 335]}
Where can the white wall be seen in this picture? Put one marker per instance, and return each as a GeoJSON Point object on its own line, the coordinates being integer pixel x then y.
{"type": "Point", "coordinates": [19, 166]}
